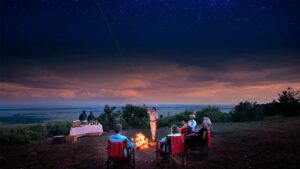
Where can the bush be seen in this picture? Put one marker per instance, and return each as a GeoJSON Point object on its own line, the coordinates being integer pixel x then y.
{"type": "Point", "coordinates": [19, 136]}
{"type": "Point", "coordinates": [58, 128]}
{"type": "Point", "coordinates": [214, 113]}
{"type": "Point", "coordinates": [33, 133]}
{"type": "Point", "coordinates": [4, 137]}
{"type": "Point", "coordinates": [246, 111]}
{"type": "Point", "coordinates": [37, 132]}
{"type": "Point", "coordinates": [135, 116]}
{"type": "Point", "coordinates": [289, 102]}
{"type": "Point", "coordinates": [109, 118]}
{"type": "Point", "coordinates": [176, 119]}
{"type": "Point", "coordinates": [270, 109]}
{"type": "Point", "coordinates": [103, 120]}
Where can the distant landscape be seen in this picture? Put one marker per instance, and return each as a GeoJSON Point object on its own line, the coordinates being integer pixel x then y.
{"type": "Point", "coordinates": [26, 115]}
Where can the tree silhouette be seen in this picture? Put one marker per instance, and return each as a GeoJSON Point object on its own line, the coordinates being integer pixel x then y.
{"type": "Point", "coordinates": [289, 102]}
{"type": "Point", "coordinates": [109, 115]}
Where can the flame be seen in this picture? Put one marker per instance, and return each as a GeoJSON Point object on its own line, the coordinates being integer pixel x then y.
{"type": "Point", "coordinates": [141, 140]}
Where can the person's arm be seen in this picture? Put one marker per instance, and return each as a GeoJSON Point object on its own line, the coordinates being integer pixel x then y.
{"type": "Point", "coordinates": [156, 116]}
{"type": "Point", "coordinates": [204, 135]}
{"type": "Point", "coordinates": [129, 143]}
{"type": "Point", "coordinates": [145, 107]}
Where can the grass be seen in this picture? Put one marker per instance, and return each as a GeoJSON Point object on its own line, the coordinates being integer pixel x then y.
{"type": "Point", "coordinates": [271, 143]}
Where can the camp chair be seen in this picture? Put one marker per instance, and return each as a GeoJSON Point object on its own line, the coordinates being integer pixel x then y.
{"type": "Point", "coordinates": [207, 143]}
{"type": "Point", "coordinates": [115, 155]}
{"type": "Point", "coordinates": [197, 143]}
{"type": "Point", "coordinates": [171, 150]}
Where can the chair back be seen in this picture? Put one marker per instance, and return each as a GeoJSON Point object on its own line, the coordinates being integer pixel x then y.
{"type": "Point", "coordinates": [116, 149]}
{"type": "Point", "coordinates": [208, 143]}
{"type": "Point", "coordinates": [176, 145]}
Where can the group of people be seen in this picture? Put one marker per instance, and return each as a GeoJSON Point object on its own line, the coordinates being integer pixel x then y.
{"type": "Point", "coordinates": [191, 125]}
{"type": "Point", "coordinates": [83, 117]}
{"type": "Point", "coordinates": [187, 128]}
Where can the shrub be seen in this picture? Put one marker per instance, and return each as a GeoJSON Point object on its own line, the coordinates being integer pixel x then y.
{"type": "Point", "coordinates": [246, 111]}
{"type": "Point", "coordinates": [37, 132]}
{"type": "Point", "coordinates": [135, 116]}
{"type": "Point", "coordinates": [270, 109]}
{"type": "Point", "coordinates": [214, 113]}
{"type": "Point", "coordinates": [33, 133]}
{"type": "Point", "coordinates": [176, 119]}
{"type": "Point", "coordinates": [103, 120]}
{"type": "Point", "coordinates": [109, 118]}
{"type": "Point", "coordinates": [19, 136]}
{"type": "Point", "coordinates": [4, 137]}
{"type": "Point", "coordinates": [58, 128]}
{"type": "Point", "coordinates": [289, 102]}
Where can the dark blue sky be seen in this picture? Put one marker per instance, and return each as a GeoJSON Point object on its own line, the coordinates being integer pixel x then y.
{"type": "Point", "coordinates": [75, 36]}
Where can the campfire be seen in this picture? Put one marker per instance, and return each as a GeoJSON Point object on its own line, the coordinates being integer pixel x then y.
{"type": "Point", "coordinates": [141, 141]}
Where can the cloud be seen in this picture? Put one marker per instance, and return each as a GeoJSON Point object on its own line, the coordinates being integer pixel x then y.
{"type": "Point", "coordinates": [161, 82]}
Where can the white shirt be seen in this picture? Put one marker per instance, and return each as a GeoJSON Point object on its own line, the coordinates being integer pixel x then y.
{"type": "Point", "coordinates": [192, 124]}
{"type": "Point", "coordinates": [169, 135]}
{"type": "Point", "coordinates": [153, 116]}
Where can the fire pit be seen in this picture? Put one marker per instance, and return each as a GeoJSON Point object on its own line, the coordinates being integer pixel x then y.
{"type": "Point", "coordinates": [141, 141]}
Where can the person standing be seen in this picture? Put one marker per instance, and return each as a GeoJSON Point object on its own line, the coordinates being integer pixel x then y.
{"type": "Point", "coordinates": [153, 117]}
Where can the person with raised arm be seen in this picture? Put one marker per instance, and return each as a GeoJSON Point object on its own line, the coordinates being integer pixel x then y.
{"type": "Point", "coordinates": [153, 117]}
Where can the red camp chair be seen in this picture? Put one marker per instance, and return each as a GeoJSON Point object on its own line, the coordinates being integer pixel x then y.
{"type": "Point", "coordinates": [115, 155]}
{"type": "Point", "coordinates": [196, 143]}
{"type": "Point", "coordinates": [207, 144]}
{"type": "Point", "coordinates": [172, 149]}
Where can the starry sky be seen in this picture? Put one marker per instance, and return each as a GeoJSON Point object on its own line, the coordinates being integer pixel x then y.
{"type": "Point", "coordinates": [152, 51]}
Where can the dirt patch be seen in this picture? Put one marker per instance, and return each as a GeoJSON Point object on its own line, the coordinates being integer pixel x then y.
{"type": "Point", "coordinates": [272, 144]}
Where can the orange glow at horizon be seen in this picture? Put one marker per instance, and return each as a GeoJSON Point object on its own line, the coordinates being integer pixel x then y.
{"type": "Point", "coordinates": [162, 84]}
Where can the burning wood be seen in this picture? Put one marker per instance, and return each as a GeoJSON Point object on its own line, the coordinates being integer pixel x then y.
{"type": "Point", "coordinates": [141, 141]}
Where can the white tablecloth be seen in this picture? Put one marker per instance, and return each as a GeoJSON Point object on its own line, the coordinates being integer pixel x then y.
{"type": "Point", "coordinates": [86, 130]}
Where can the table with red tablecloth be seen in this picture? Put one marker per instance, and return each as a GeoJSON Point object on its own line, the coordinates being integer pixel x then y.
{"type": "Point", "coordinates": [86, 130]}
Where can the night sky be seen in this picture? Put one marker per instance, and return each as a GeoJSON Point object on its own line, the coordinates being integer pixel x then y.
{"type": "Point", "coordinates": [152, 51]}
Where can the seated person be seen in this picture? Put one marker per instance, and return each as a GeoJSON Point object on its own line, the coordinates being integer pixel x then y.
{"type": "Point", "coordinates": [91, 117]}
{"type": "Point", "coordinates": [183, 129]}
{"type": "Point", "coordinates": [206, 123]}
{"type": "Point", "coordinates": [82, 116]}
{"type": "Point", "coordinates": [191, 125]}
{"type": "Point", "coordinates": [117, 137]}
{"type": "Point", "coordinates": [196, 139]}
{"type": "Point", "coordinates": [174, 132]}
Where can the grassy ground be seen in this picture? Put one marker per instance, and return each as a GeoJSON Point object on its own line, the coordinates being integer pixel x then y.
{"type": "Point", "coordinates": [268, 144]}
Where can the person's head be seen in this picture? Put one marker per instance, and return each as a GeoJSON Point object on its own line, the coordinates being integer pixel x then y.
{"type": "Point", "coordinates": [91, 112]}
{"type": "Point", "coordinates": [183, 123]}
{"type": "Point", "coordinates": [174, 129]}
{"type": "Point", "coordinates": [83, 112]}
{"type": "Point", "coordinates": [206, 123]}
{"type": "Point", "coordinates": [153, 109]}
{"type": "Point", "coordinates": [118, 128]}
{"type": "Point", "coordinates": [192, 116]}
